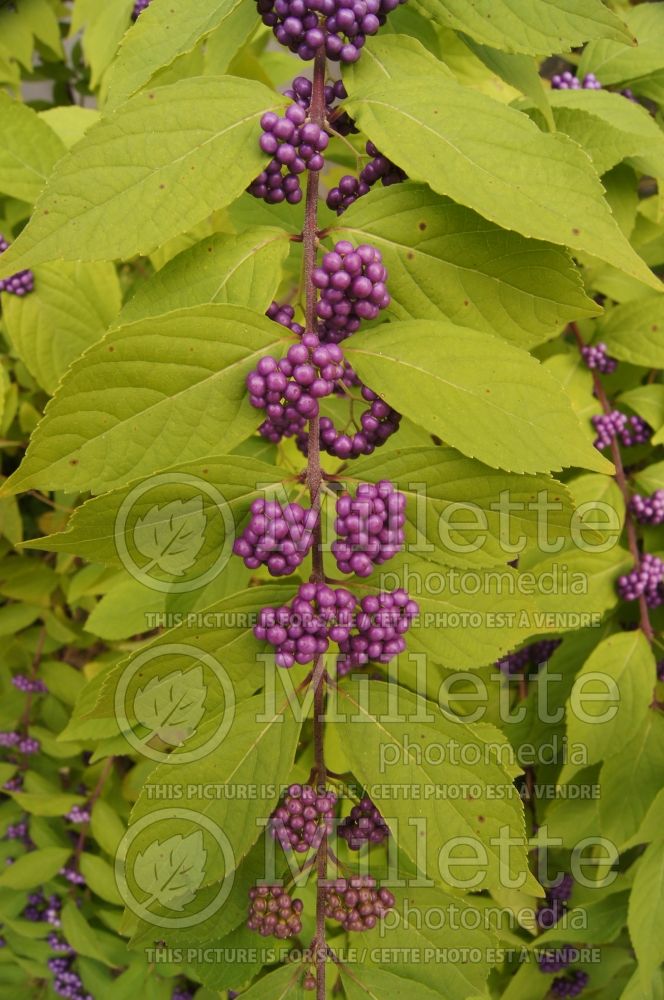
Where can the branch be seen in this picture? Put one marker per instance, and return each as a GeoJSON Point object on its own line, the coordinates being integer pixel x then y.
{"type": "Point", "coordinates": [314, 480]}
{"type": "Point", "coordinates": [621, 479]}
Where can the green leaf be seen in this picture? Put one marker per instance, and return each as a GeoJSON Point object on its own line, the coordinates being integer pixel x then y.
{"type": "Point", "coordinates": [105, 24]}
{"type": "Point", "coordinates": [257, 755]}
{"type": "Point", "coordinates": [520, 71]}
{"type": "Point", "coordinates": [614, 63]}
{"type": "Point", "coordinates": [491, 158]}
{"type": "Point", "coordinates": [648, 402]}
{"type": "Point", "coordinates": [171, 707]}
{"type": "Point", "coordinates": [80, 935]}
{"type": "Point", "coordinates": [468, 619]}
{"type": "Point", "coordinates": [34, 868]}
{"type": "Point", "coordinates": [627, 661]}
{"type": "Point", "coordinates": [633, 331]}
{"type": "Point", "coordinates": [483, 396]}
{"type": "Point", "coordinates": [646, 912]}
{"type": "Point", "coordinates": [229, 639]}
{"type": "Point", "coordinates": [172, 871]}
{"type": "Point", "coordinates": [168, 147]}
{"type": "Point", "coordinates": [186, 371]}
{"type": "Point", "coordinates": [610, 129]}
{"type": "Point", "coordinates": [585, 585]}
{"type": "Point", "coordinates": [536, 27]}
{"type": "Point", "coordinates": [629, 781]}
{"type": "Point", "coordinates": [124, 611]}
{"type": "Point", "coordinates": [162, 34]}
{"type": "Point", "coordinates": [70, 309]}
{"type": "Point", "coordinates": [283, 982]}
{"type": "Point", "coordinates": [447, 494]}
{"type": "Point", "coordinates": [171, 535]}
{"type": "Point", "coordinates": [70, 122]}
{"type": "Point", "coordinates": [106, 826]}
{"type": "Point", "coordinates": [444, 260]}
{"type": "Point", "coordinates": [29, 151]}
{"type": "Point", "coordinates": [95, 528]}
{"type": "Point", "coordinates": [100, 877]}
{"type": "Point", "coordinates": [243, 270]}
{"type": "Point", "coordinates": [391, 738]}
{"type": "Point", "coordinates": [367, 983]}
{"type": "Point", "coordinates": [40, 804]}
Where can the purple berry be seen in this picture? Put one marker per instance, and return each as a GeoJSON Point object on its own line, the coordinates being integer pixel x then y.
{"type": "Point", "coordinates": [597, 359]}
{"type": "Point", "coordinates": [364, 825]}
{"type": "Point", "coordinates": [21, 283]}
{"type": "Point", "coordinates": [139, 7]}
{"type": "Point", "coordinates": [645, 580]}
{"type": "Point", "coordinates": [352, 285]}
{"type": "Point", "coordinates": [533, 655]}
{"type": "Point", "coordinates": [370, 527]}
{"type": "Point", "coordinates": [303, 817]}
{"type": "Point", "coordinates": [302, 630]}
{"type": "Point", "coordinates": [379, 630]}
{"type": "Point", "coordinates": [616, 425]}
{"type": "Point", "coordinates": [277, 537]}
{"type": "Point", "coordinates": [648, 510]}
{"type": "Point", "coordinates": [570, 985]}
{"type": "Point", "coordinates": [272, 912]}
{"type": "Point", "coordinates": [357, 903]}
{"type": "Point", "coordinates": [351, 188]}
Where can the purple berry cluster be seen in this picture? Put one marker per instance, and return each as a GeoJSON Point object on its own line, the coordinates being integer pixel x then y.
{"type": "Point", "coordinates": [369, 526]}
{"type": "Point", "coordinates": [66, 982]}
{"type": "Point", "coordinates": [352, 284]}
{"type": "Point", "coordinates": [302, 630]}
{"type": "Point", "coordinates": [19, 831]}
{"type": "Point", "coordinates": [648, 510]}
{"type": "Point", "coordinates": [558, 959]}
{"type": "Point", "coordinates": [377, 423]}
{"type": "Point", "coordinates": [29, 685]}
{"type": "Point", "coordinates": [567, 81]}
{"type": "Point", "coordinates": [78, 814]}
{"type": "Point", "coordinates": [351, 188]}
{"type": "Point", "coordinates": [646, 579]}
{"type": "Point", "coordinates": [597, 358]}
{"type": "Point", "coordinates": [295, 145]}
{"type": "Point", "coordinates": [303, 817]}
{"type": "Point", "coordinates": [289, 390]}
{"type": "Point", "coordinates": [139, 7]}
{"type": "Point", "coordinates": [616, 425]}
{"type": "Point", "coordinates": [182, 993]}
{"type": "Point", "coordinates": [379, 631]}
{"type": "Point", "coordinates": [570, 985]}
{"type": "Point", "coordinates": [557, 898]}
{"type": "Point", "coordinates": [357, 903]}
{"type": "Point", "coordinates": [71, 874]}
{"type": "Point", "coordinates": [40, 909]}
{"type": "Point", "coordinates": [24, 744]}
{"type": "Point", "coordinates": [277, 537]}
{"type": "Point", "coordinates": [273, 912]}
{"type": "Point", "coordinates": [301, 91]}
{"type": "Point", "coordinates": [342, 26]}
{"type": "Point", "coordinates": [364, 825]}
{"type": "Point", "coordinates": [285, 316]}
{"type": "Point", "coordinates": [533, 655]}
{"type": "Point", "coordinates": [20, 283]}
